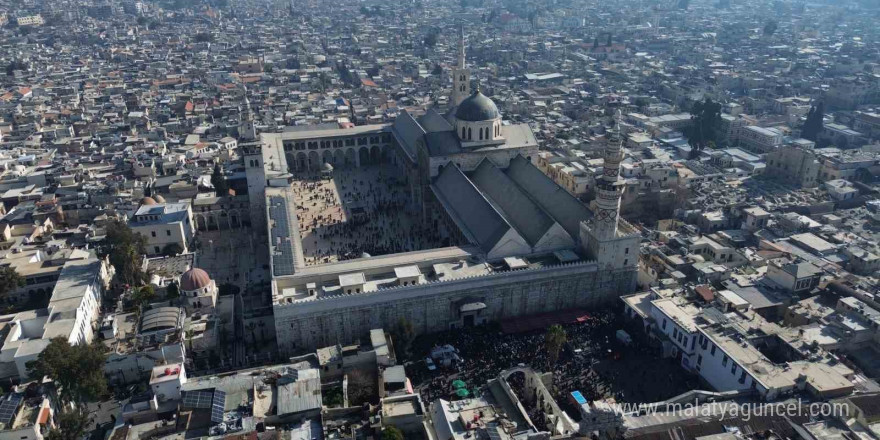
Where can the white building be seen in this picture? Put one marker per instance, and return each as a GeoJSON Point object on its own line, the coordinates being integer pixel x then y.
{"type": "Point", "coordinates": [163, 225]}
{"type": "Point", "coordinates": [759, 139]}
{"type": "Point", "coordinates": [840, 189]}
{"type": "Point", "coordinates": [72, 314]}
{"type": "Point", "coordinates": [31, 20]}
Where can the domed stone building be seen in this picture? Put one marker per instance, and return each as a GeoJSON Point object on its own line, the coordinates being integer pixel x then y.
{"type": "Point", "coordinates": [199, 291]}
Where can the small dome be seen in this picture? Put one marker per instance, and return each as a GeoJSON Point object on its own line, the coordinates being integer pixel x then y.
{"type": "Point", "coordinates": [159, 199]}
{"type": "Point", "coordinates": [477, 107]}
{"type": "Point", "coordinates": [148, 201]}
{"type": "Point", "coordinates": [194, 279]}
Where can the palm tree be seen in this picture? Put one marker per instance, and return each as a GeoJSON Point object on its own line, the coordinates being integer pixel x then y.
{"type": "Point", "coordinates": [553, 342]}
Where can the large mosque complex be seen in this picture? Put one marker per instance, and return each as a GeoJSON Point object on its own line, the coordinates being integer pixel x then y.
{"type": "Point", "coordinates": [437, 219]}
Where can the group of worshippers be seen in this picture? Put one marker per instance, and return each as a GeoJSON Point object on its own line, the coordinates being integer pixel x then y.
{"type": "Point", "coordinates": [365, 217]}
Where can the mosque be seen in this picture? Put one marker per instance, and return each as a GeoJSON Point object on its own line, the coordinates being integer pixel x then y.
{"type": "Point", "coordinates": [528, 246]}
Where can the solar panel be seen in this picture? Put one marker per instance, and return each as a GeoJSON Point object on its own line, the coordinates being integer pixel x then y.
{"type": "Point", "coordinates": [8, 409]}
{"type": "Point", "coordinates": [197, 399]}
{"type": "Point", "coordinates": [218, 405]}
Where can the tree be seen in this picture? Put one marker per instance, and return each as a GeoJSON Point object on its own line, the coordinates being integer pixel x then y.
{"type": "Point", "coordinates": [392, 433]}
{"type": "Point", "coordinates": [595, 43]}
{"type": "Point", "coordinates": [9, 280]}
{"type": "Point", "coordinates": [814, 123]}
{"type": "Point", "coordinates": [172, 291]}
{"type": "Point", "coordinates": [71, 424]}
{"type": "Point", "coordinates": [78, 370]}
{"type": "Point", "coordinates": [125, 249]}
{"type": "Point", "coordinates": [361, 387]}
{"type": "Point", "coordinates": [172, 249]}
{"type": "Point", "coordinates": [144, 295]}
{"type": "Point", "coordinates": [608, 43]}
{"type": "Point", "coordinates": [219, 181]}
{"type": "Point", "coordinates": [553, 342]}
{"type": "Point", "coordinates": [404, 334]}
{"type": "Point", "coordinates": [204, 37]}
{"type": "Point", "coordinates": [705, 117]}
{"type": "Point", "coordinates": [770, 27]}
{"type": "Point", "coordinates": [430, 39]}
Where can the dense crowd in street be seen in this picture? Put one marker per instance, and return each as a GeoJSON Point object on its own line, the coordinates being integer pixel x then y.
{"type": "Point", "coordinates": [592, 361]}
{"type": "Point", "coordinates": [348, 213]}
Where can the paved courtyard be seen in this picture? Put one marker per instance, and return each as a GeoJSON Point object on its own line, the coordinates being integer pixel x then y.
{"type": "Point", "coordinates": [359, 210]}
{"type": "Point", "coordinates": [233, 256]}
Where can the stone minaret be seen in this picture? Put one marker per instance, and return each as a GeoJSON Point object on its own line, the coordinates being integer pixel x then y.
{"type": "Point", "coordinates": [609, 190]}
{"type": "Point", "coordinates": [461, 77]}
{"type": "Point", "coordinates": [247, 131]}
{"type": "Point", "coordinates": [607, 238]}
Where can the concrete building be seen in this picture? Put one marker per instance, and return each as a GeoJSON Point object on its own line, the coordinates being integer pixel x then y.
{"type": "Point", "coordinates": [164, 225]}
{"type": "Point", "coordinates": [72, 314]}
{"type": "Point", "coordinates": [794, 164]}
{"type": "Point", "coordinates": [759, 139]}
{"type": "Point", "coordinates": [31, 20]}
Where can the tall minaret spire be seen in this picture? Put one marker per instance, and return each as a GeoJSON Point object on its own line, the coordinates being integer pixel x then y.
{"type": "Point", "coordinates": [461, 77]}
{"type": "Point", "coordinates": [247, 131]}
{"type": "Point", "coordinates": [461, 47]}
{"type": "Point", "coordinates": [609, 189]}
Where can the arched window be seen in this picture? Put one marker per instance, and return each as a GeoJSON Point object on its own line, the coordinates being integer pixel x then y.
{"type": "Point", "coordinates": [481, 133]}
{"type": "Point", "coordinates": [470, 134]}
{"type": "Point", "coordinates": [463, 132]}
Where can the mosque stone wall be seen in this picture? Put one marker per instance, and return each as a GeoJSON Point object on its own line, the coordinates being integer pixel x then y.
{"type": "Point", "coordinates": [434, 307]}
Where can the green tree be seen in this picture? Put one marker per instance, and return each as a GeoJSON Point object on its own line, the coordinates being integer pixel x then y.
{"type": "Point", "coordinates": [705, 117]}
{"type": "Point", "coordinates": [431, 39]}
{"type": "Point", "coordinates": [125, 249]}
{"type": "Point", "coordinates": [9, 280]}
{"type": "Point", "coordinates": [815, 122]}
{"type": "Point", "coordinates": [554, 340]}
{"type": "Point", "coordinates": [78, 370]}
{"type": "Point", "coordinates": [70, 424]}
{"type": "Point", "coordinates": [770, 27]}
{"type": "Point", "coordinates": [144, 295]}
{"type": "Point", "coordinates": [172, 249]}
{"type": "Point", "coordinates": [404, 334]}
{"type": "Point", "coordinates": [219, 181]}
{"type": "Point", "coordinates": [172, 291]}
{"type": "Point", "coordinates": [392, 433]}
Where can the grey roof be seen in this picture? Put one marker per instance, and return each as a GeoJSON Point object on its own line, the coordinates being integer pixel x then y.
{"type": "Point", "coordinates": [802, 269]}
{"type": "Point", "coordinates": [556, 201]}
{"type": "Point", "coordinates": [299, 392]}
{"type": "Point", "coordinates": [442, 143]}
{"type": "Point", "coordinates": [408, 132]}
{"type": "Point", "coordinates": [160, 318]}
{"type": "Point", "coordinates": [432, 121]}
{"type": "Point", "coordinates": [529, 219]}
{"type": "Point", "coordinates": [477, 107]}
{"type": "Point", "coordinates": [475, 216]}
{"type": "Point", "coordinates": [395, 374]}
{"type": "Point", "coordinates": [518, 135]}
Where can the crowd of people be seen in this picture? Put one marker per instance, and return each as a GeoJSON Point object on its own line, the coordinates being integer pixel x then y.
{"type": "Point", "coordinates": [345, 215]}
{"type": "Point", "coordinates": [592, 361]}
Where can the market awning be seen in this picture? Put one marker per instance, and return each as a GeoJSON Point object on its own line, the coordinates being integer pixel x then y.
{"type": "Point", "coordinates": [472, 307]}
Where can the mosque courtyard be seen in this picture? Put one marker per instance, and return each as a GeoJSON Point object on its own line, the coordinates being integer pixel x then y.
{"type": "Point", "coordinates": [351, 211]}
